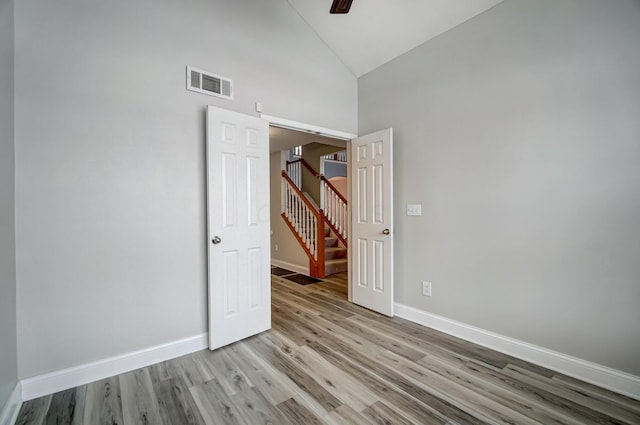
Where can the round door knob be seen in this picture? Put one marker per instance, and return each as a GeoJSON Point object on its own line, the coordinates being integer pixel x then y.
{"type": "Point", "coordinates": [386, 232]}
{"type": "Point", "coordinates": [216, 240]}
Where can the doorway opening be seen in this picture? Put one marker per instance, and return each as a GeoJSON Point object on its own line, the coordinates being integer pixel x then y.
{"type": "Point", "coordinates": [309, 206]}
{"type": "Point", "coordinates": [239, 220]}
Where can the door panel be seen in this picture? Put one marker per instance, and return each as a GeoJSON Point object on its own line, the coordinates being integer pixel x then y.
{"type": "Point", "coordinates": [238, 226]}
{"type": "Point", "coordinates": [372, 221]}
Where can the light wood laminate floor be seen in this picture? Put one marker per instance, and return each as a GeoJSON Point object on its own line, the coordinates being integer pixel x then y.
{"type": "Point", "coordinates": [326, 361]}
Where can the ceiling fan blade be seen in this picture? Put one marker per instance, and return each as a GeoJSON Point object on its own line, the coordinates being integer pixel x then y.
{"type": "Point", "coordinates": [341, 6]}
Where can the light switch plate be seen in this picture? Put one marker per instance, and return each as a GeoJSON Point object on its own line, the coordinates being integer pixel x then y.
{"type": "Point", "coordinates": [414, 209]}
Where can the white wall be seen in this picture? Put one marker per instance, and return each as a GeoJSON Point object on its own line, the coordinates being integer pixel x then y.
{"type": "Point", "coordinates": [8, 347]}
{"type": "Point", "coordinates": [519, 133]}
{"type": "Point", "coordinates": [110, 205]}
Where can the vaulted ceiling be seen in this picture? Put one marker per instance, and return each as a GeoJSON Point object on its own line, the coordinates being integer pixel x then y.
{"type": "Point", "coordinates": [376, 31]}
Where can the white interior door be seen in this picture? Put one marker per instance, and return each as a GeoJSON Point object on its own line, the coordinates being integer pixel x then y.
{"type": "Point", "coordinates": [371, 241]}
{"type": "Point", "coordinates": [238, 226]}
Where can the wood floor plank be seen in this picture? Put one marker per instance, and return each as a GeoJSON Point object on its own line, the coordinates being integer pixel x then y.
{"type": "Point", "coordinates": [256, 409]}
{"type": "Point", "coordinates": [295, 373]}
{"type": "Point", "coordinates": [282, 380]}
{"type": "Point", "coordinates": [484, 354]}
{"type": "Point", "coordinates": [465, 398]}
{"type": "Point", "coordinates": [585, 400]}
{"type": "Point", "coordinates": [461, 347]}
{"type": "Point", "coordinates": [159, 372]}
{"type": "Point", "coordinates": [139, 403]}
{"type": "Point", "coordinates": [345, 389]}
{"type": "Point", "coordinates": [396, 379]}
{"type": "Point", "coordinates": [297, 413]}
{"type": "Point", "coordinates": [514, 401]}
{"type": "Point", "coordinates": [351, 390]}
{"type": "Point", "coordinates": [231, 377]}
{"type": "Point", "coordinates": [375, 337]}
{"type": "Point", "coordinates": [34, 412]}
{"type": "Point", "coordinates": [465, 348]}
{"type": "Point", "coordinates": [215, 405]}
{"type": "Point", "coordinates": [381, 414]}
{"type": "Point", "coordinates": [310, 301]}
{"type": "Point", "coordinates": [62, 409]}
{"type": "Point", "coordinates": [583, 414]}
{"type": "Point", "coordinates": [81, 395]}
{"type": "Point", "coordinates": [103, 403]}
{"type": "Point", "coordinates": [292, 329]}
{"type": "Point", "coordinates": [328, 361]}
{"type": "Point", "coordinates": [345, 415]}
{"type": "Point", "coordinates": [177, 406]}
{"type": "Point", "coordinates": [341, 306]}
{"type": "Point", "coordinates": [426, 346]}
{"type": "Point", "coordinates": [191, 369]}
{"type": "Point", "coordinates": [424, 408]}
{"type": "Point", "coordinates": [316, 328]}
{"type": "Point", "coordinates": [274, 385]}
{"type": "Point", "coordinates": [602, 394]}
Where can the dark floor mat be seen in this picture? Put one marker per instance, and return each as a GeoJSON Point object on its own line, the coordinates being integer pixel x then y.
{"type": "Point", "coordinates": [281, 272]}
{"type": "Point", "coordinates": [302, 279]}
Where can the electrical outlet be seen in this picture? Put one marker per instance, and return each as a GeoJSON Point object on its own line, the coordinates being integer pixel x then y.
{"type": "Point", "coordinates": [426, 288]}
{"type": "Point", "coordinates": [276, 247]}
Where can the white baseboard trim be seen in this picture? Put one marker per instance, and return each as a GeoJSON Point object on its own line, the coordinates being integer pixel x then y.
{"type": "Point", "coordinates": [53, 382]}
{"type": "Point", "coordinates": [9, 413]}
{"type": "Point", "coordinates": [612, 379]}
{"type": "Point", "coordinates": [290, 266]}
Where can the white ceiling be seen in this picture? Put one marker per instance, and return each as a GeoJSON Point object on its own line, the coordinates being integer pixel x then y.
{"type": "Point", "coordinates": [281, 139]}
{"type": "Point", "coordinates": [376, 31]}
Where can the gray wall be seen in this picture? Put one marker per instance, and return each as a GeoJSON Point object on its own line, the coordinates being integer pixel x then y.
{"type": "Point", "coordinates": [110, 205]}
{"type": "Point", "coordinates": [335, 169]}
{"type": "Point", "coordinates": [8, 347]}
{"type": "Point", "coordinates": [519, 132]}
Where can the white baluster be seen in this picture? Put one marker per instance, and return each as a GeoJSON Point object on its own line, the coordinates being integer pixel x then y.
{"type": "Point", "coordinates": [305, 224]}
{"type": "Point", "coordinates": [314, 237]}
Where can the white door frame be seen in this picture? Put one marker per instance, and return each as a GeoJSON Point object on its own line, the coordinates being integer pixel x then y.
{"type": "Point", "coordinates": [326, 132]}
{"type": "Point", "coordinates": [308, 128]}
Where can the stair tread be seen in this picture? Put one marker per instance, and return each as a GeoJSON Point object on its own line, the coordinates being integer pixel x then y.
{"type": "Point", "coordinates": [336, 261]}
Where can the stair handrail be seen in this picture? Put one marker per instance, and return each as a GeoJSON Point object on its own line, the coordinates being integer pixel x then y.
{"type": "Point", "coordinates": [306, 165]}
{"type": "Point", "coordinates": [332, 203]}
{"type": "Point", "coordinates": [333, 188]}
{"type": "Point", "coordinates": [294, 171]}
{"type": "Point", "coordinates": [306, 223]}
{"type": "Point", "coordinates": [334, 209]}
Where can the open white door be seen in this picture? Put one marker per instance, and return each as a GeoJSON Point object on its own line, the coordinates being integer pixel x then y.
{"type": "Point", "coordinates": [238, 226]}
{"type": "Point", "coordinates": [371, 262]}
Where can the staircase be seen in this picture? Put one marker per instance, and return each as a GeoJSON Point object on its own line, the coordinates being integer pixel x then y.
{"type": "Point", "coordinates": [320, 231]}
{"type": "Point", "coordinates": [335, 254]}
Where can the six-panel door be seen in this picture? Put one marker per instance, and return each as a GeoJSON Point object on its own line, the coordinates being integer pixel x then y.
{"type": "Point", "coordinates": [238, 226]}
{"type": "Point", "coordinates": [371, 262]}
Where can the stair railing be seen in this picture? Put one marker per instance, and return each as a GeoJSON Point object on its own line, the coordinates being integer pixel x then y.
{"type": "Point", "coordinates": [294, 171]}
{"type": "Point", "coordinates": [337, 156]}
{"type": "Point", "coordinates": [306, 223]}
{"type": "Point", "coordinates": [334, 208]}
{"type": "Point", "coordinates": [332, 203]}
